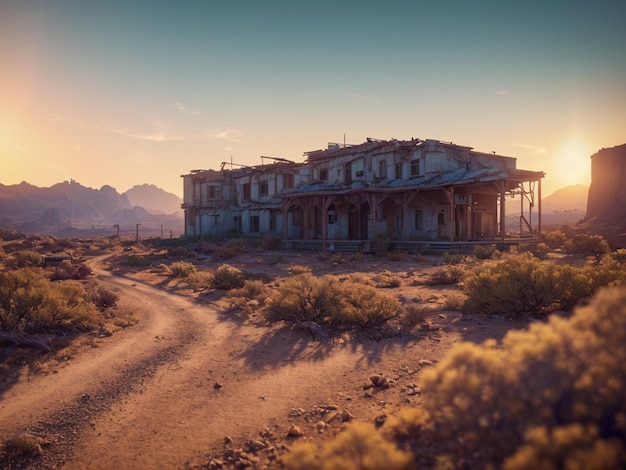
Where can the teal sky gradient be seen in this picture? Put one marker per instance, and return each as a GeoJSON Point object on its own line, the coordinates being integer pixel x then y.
{"type": "Point", "coordinates": [127, 92]}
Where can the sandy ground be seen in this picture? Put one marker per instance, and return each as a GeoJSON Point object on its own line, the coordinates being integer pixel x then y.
{"type": "Point", "coordinates": [191, 386]}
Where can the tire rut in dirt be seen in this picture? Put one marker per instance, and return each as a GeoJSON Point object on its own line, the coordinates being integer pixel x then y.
{"type": "Point", "coordinates": [59, 432]}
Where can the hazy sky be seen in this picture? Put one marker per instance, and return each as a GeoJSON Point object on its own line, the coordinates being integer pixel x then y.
{"type": "Point", "coordinates": [131, 92]}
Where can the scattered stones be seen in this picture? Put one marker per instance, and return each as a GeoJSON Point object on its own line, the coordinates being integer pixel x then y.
{"type": "Point", "coordinates": [295, 431]}
{"type": "Point", "coordinates": [380, 420]}
{"type": "Point", "coordinates": [379, 381]}
{"type": "Point", "coordinates": [413, 390]}
{"type": "Point", "coordinates": [254, 445]}
{"type": "Point", "coordinates": [346, 416]}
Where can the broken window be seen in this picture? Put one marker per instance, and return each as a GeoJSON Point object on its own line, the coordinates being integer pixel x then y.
{"type": "Point", "coordinates": [246, 192]}
{"type": "Point", "coordinates": [254, 223]}
{"type": "Point", "coordinates": [287, 181]}
{"type": "Point", "coordinates": [416, 167]}
{"type": "Point", "coordinates": [263, 188]}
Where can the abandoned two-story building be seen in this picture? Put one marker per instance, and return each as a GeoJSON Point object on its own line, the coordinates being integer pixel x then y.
{"type": "Point", "coordinates": [409, 192]}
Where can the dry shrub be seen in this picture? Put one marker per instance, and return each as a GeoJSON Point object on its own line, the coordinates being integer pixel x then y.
{"type": "Point", "coordinates": [386, 280]}
{"type": "Point", "coordinates": [251, 289]}
{"type": "Point", "coordinates": [360, 446]}
{"type": "Point", "coordinates": [551, 396]}
{"type": "Point", "coordinates": [181, 269]}
{"type": "Point", "coordinates": [231, 249]}
{"type": "Point", "coordinates": [522, 284]}
{"type": "Point", "coordinates": [413, 315]}
{"type": "Point", "coordinates": [364, 307]}
{"type": "Point", "coordinates": [323, 300]}
{"type": "Point", "coordinates": [446, 276]}
{"type": "Point", "coordinates": [25, 259]}
{"type": "Point", "coordinates": [619, 255]}
{"type": "Point", "coordinates": [30, 303]}
{"type": "Point", "coordinates": [104, 298]}
{"type": "Point", "coordinates": [178, 252]}
{"type": "Point", "coordinates": [304, 298]}
{"type": "Point", "coordinates": [199, 280]}
{"type": "Point", "coordinates": [587, 244]}
{"type": "Point", "coordinates": [455, 300]}
{"type": "Point", "coordinates": [554, 239]}
{"type": "Point", "coordinates": [486, 251]}
{"type": "Point", "coordinates": [227, 277]}
{"type": "Point", "coordinates": [397, 255]}
{"type": "Point", "coordinates": [453, 258]}
{"type": "Point", "coordinates": [299, 269]}
{"type": "Point", "coordinates": [15, 450]}
{"type": "Point", "coordinates": [67, 270]}
{"type": "Point", "coordinates": [360, 278]}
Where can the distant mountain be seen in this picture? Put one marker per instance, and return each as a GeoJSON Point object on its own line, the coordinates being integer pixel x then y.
{"type": "Point", "coordinates": [565, 206]}
{"type": "Point", "coordinates": [69, 207]}
{"type": "Point", "coordinates": [569, 198]}
{"type": "Point", "coordinates": [153, 199]}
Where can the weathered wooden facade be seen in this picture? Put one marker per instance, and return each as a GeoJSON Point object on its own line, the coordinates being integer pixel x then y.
{"type": "Point", "coordinates": [414, 190]}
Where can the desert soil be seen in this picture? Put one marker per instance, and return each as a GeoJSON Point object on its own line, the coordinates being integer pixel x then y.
{"type": "Point", "coordinates": [192, 385]}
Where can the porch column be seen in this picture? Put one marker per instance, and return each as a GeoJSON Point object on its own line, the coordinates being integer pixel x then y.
{"type": "Point", "coordinates": [305, 219]}
{"type": "Point", "coordinates": [373, 203]}
{"type": "Point", "coordinates": [450, 194]}
{"type": "Point", "coordinates": [324, 205]}
{"type": "Point", "coordinates": [502, 211]}
{"type": "Point", "coordinates": [285, 217]}
{"type": "Point", "coordinates": [539, 209]}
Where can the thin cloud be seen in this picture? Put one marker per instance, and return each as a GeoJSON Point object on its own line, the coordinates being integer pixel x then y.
{"type": "Point", "coordinates": [163, 132]}
{"type": "Point", "coordinates": [502, 92]}
{"type": "Point", "coordinates": [19, 148]}
{"type": "Point", "coordinates": [183, 108]}
{"type": "Point", "coordinates": [231, 135]}
{"type": "Point", "coordinates": [533, 149]}
{"type": "Point", "coordinates": [356, 96]}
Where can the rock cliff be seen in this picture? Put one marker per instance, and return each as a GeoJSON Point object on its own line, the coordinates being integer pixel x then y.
{"type": "Point", "coordinates": [606, 202]}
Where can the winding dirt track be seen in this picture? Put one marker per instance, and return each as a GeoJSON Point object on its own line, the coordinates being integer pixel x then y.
{"type": "Point", "coordinates": [145, 397]}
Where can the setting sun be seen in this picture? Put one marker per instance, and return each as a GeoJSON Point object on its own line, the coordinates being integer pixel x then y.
{"type": "Point", "coordinates": [571, 163]}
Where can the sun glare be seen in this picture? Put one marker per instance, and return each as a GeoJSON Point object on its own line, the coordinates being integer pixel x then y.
{"type": "Point", "coordinates": [572, 164]}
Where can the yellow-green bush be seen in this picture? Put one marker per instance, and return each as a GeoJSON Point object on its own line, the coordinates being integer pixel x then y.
{"type": "Point", "coordinates": [227, 277]}
{"type": "Point", "coordinates": [587, 244]}
{"type": "Point", "coordinates": [26, 259]}
{"type": "Point", "coordinates": [363, 306]}
{"type": "Point", "coordinates": [522, 284]}
{"type": "Point", "coordinates": [304, 297]}
{"type": "Point", "coordinates": [549, 397]}
{"type": "Point", "coordinates": [231, 248]}
{"type": "Point", "coordinates": [181, 269]}
{"type": "Point", "coordinates": [359, 447]}
{"type": "Point", "coordinates": [485, 251]}
{"type": "Point", "coordinates": [251, 289]}
{"type": "Point", "coordinates": [554, 239]}
{"type": "Point", "coordinates": [554, 391]}
{"type": "Point", "coordinates": [30, 303]}
{"type": "Point", "coordinates": [324, 300]}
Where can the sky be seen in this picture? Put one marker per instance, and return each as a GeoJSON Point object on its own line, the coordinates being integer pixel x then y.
{"type": "Point", "coordinates": [128, 92]}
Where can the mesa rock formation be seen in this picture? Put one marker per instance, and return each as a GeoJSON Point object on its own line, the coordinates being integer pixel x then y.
{"type": "Point", "coordinates": [606, 202]}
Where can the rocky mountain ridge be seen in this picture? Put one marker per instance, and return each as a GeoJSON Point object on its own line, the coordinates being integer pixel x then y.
{"type": "Point", "coordinates": [68, 206]}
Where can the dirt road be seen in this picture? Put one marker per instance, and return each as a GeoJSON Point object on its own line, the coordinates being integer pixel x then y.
{"type": "Point", "coordinates": [166, 392]}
